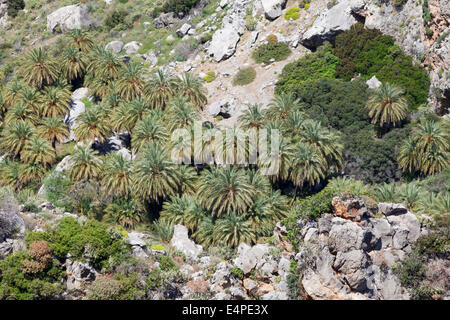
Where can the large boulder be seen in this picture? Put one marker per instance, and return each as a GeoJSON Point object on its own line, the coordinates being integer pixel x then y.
{"type": "Point", "coordinates": [223, 43]}
{"type": "Point", "coordinates": [11, 224]}
{"type": "Point", "coordinates": [332, 22]}
{"type": "Point", "coordinates": [350, 208]}
{"type": "Point", "coordinates": [166, 20]}
{"type": "Point", "coordinates": [181, 242]}
{"type": "Point", "coordinates": [250, 257]}
{"type": "Point", "coordinates": [68, 18]}
{"type": "Point", "coordinates": [273, 8]}
{"type": "Point", "coordinates": [184, 29]}
{"type": "Point", "coordinates": [114, 46]}
{"type": "Point", "coordinates": [78, 273]}
{"type": "Point", "coordinates": [3, 13]}
{"type": "Point", "coordinates": [132, 47]}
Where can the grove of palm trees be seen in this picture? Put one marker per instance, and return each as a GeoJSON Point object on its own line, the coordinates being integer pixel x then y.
{"type": "Point", "coordinates": [340, 141]}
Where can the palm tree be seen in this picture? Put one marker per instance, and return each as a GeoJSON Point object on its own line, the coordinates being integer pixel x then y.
{"type": "Point", "coordinates": [92, 125]}
{"type": "Point", "coordinates": [293, 124]}
{"type": "Point", "coordinates": [252, 117]}
{"type": "Point", "coordinates": [125, 212]}
{"type": "Point", "coordinates": [100, 86]}
{"type": "Point", "coordinates": [408, 157]}
{"type": "Point", "coordinates": [160, 88]}
{"type": "Point", "coordinates": [387, 105]}
{"type": "Point", "coordinates": [53, 129]}
{"type": "Point", "coordinates": [192, 88]}
{"type": "Point", "coordinates": [162, 231]}
{"type": "Point", "coordinates": [307, 166]}
{"type": "Point", "coordinates": [29, 96]}
{"type": "Point", "coordinates": [31, 172]}
{"type": "Point", "coordinates": [181, 114]}
{"type": "Point", "coordinates": [116, 175]}
{"type": "Point", "coordinates": [130, 85]}
{"type": "Point", "coordinates": [282, 105]}
{"type": "Point", "coordinates": [324, 140]}
{"type": "Point", "coordinates": [12, 91]}
{"type": "Point", "coordinates": [127, 114]}
{"type": "Point", "coordinates": [279, 206]}
{"type": "Point", "coordinates": [104, 64]}
{"type": "Point", "coordinates": [81, 40]}
{"type": "Point", "coordinates": [86, 165]}
{"type": "Point", "coordinates": [38, 69]}
{"type": "Point", "coordinates": [428, 150]}
{"type": "Point", "coordinates": [175, 209]}
{"type": "Point", "coordinates": [409, 195]}
{"type": "Point", "coordinates": [233, 230]}
{"type": "Point", "coordinates": [188, 180]}
{"type": "Point", "coordinates": [155, 177]}
{"type": "Point", "coordinates": [16, 135]}
{"type": "Point", "coordinates": [386, 193]}
{"type": "Point", "coordinates": [205, 231]}
{"type": "Point", "coordinates": [21, 112]}
{"type": "Point", "coordinates": [11, 174]}
{"type": "Point", "coordinates": [223, 190]}
{"type": "Point", "coordinates": [38, 151]}
{"type": "Point", "coordinates": [282, 160]}
{"type": "Point", "coordinates": [259, 215]}
{"type": "Point", "coordinates": [260, 182]}
{"type": "Point", "coordinates": [54, 102]}
{"type": "Point", "coordinates": [73, 64]}
{"type": "Point", "coordinates": [148, 130]}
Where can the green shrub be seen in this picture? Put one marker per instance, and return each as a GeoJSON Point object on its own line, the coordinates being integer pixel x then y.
{"type": "Point", "coordinates": [210, 76]}
{"type": "Point", "coordinates": [320, 64]}
{"type": "Point", "coordinates": [368, 52]}
{"type": "Point", "coordinates": [116, 18]}
{"type": "Point", "coordinates": [14, 6]}
{"type": "Point", "coordinates": [244, 76]}
{"type": "Point", "coordinates": [31, 275]}
{"type": "Point", "coordinates": [341, 105]}
{"type": "Point", "coordinates": [166, 264]}
{"type": "Point", "coordinates": [119, 287]}
{"type": "Point", "coordinates": [266, 52]}
{"type": "Point", "coordinates": [238, 273]}
{"type": "Point", "coordinates": [92, 240]}
{"type": "Point", "coordinates": [293, 13]}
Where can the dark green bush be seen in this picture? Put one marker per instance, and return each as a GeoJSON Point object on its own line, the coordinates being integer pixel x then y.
{"type": "Point", "coordinates": [369, 52]}
{"type": "Point", "coordinates": [18, 282]}
{"type": "Point", "coordinates": [115, 18]}
{"type": "Point", "coordinates": [317, 65]}
{"type": "Point", "coordinates": [341, 105]}
{"type": "Point", "coordinates": [265, 52]}
{"type": "Point", "coordinates": [93, 241]}
{"type": "Point", "coordinates": [166, 264]}
{"type": "Point", "coordinates": [244, 76]}
{"type": "Point", "coordinates": [14, 6]}
{"type": "Point", "coordinates": [178, 6]}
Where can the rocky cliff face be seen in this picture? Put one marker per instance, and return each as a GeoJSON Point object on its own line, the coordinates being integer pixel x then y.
{"type": "Point", "coordinates": [406, 25]}
{"type": "Point", "coordinates": [346, 254]}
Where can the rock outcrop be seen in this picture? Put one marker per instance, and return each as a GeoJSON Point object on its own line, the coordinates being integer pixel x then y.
{"type": "Point", "coordinates": [349, 254]}
{"type": "Point", "coordinates": [68, 18]}
{"type": "Point", "coordinates": [181, 242]}
{"type": "Point", "coordinates": [332, 22]}
{"type": "Point", "coordinates": [273, 8]}
{"type": "Point", "coordinates": [224, 40]}
{"type": "Point", "coordinates": [115, 46]}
